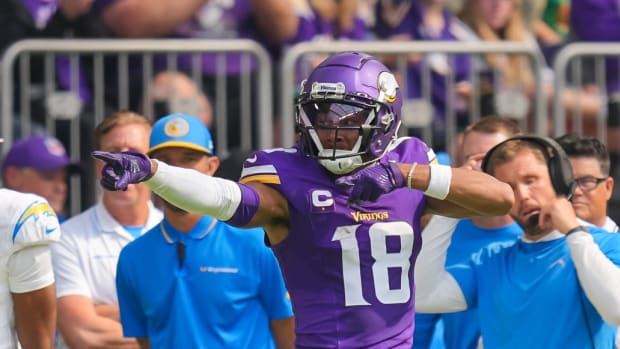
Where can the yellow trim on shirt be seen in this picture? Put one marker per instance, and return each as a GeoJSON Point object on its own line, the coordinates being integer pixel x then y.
{"type": "Point", "coordinates": [267, 179]}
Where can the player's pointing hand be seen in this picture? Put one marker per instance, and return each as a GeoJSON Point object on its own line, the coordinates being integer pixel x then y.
{"type": "Point", "coordinates": [122, 169]}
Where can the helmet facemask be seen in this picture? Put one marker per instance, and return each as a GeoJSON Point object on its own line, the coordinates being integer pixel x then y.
{"type": "Point", "coordinates": [357, 99]}
{"type": "Point", "coordinates": [327, 108]}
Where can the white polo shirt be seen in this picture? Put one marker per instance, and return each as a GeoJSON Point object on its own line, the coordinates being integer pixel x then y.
{"type": "Point", "coordinates": [85, 258]}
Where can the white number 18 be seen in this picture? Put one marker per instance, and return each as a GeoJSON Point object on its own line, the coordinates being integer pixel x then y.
{"type": "Point", "coordinates": [384, 260]}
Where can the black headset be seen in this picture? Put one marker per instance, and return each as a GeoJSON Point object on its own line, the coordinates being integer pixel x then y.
{"type": "Point", "coordinates": [560, 169]}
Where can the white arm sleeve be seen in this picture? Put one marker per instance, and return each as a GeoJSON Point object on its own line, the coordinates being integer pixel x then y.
{"type": "Point", "coordinates": [196, 192]}
{"type": "Point", "coordinates": [598, 275]}
{"type": "Point", "coordinates": [436, 290]}
{"type": "Point", "coordinates": [30, 269]}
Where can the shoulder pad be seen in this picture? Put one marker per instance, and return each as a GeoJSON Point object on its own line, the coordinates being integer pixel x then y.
{"type": "Point", "coordinates": [261, 166]}
{"type": "Point", "coordinates": [32, 221]}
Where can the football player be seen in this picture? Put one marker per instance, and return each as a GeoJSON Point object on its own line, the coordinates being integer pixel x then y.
{"type": "Point", "coordinates": [28, 311]}
{"type": "Point", "coordinates": [346, 239]}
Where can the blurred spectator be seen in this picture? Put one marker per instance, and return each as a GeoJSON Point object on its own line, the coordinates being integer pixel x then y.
{"type": "Point", "coordinates": [461, 330]}
{"type": "Point", "coordinates": [86, 256]}
{"type": "Point", "coordinates": [599, 21]}
{"type": "Point", "coordinates": [429, 76]}
{"type": "Point", "coordinates": [550, 25]}
{"type": "Point", "coordinates": [33, 19]}
{"type": "Point", "coordinates": [494, 20]}
{"type": "Point", "coordinates": [27, 19]}
{"type": "Point", "coordinates": [324, 21]}
{"type": "Point", "coordinates": [269, 22]}
{"type": "Point", "coordinates": [40, 165]}
{"type": "Point", "coordinates": [175, 92]}
{"type": "Point", "coordinates": [337, 19]}
{"type": "Point", "coordinates": [243, 304]}
{"type": "Point", "coordinates": [21, 19]}
{"type": "Point", "coordinates": [590, 162]}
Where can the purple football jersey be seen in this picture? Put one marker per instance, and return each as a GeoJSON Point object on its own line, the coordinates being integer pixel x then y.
{"type": "Point", "coordinates": [349, 270]}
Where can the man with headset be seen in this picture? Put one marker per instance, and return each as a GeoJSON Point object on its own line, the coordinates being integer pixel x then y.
{"type": "Point", "coordinates": [557, 287]}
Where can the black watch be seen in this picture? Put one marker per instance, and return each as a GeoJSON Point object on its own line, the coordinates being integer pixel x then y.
{"type": "Point", "coordinates": [576, 229]}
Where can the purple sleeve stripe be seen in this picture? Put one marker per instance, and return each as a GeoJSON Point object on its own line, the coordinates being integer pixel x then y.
{"type": "Point", "coordinates": [247, 207]}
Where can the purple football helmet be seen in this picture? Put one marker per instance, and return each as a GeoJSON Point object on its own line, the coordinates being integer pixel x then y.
{"type": "Point", "coordinates": [349, 91]}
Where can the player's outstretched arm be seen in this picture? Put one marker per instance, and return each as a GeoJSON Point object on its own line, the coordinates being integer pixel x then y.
{"type": "Point", "coordinates": [239, 204]}
{"type": "Point", "coordinates": [470, 193]}
{"type": "Point", "coordinates": [454, 192]}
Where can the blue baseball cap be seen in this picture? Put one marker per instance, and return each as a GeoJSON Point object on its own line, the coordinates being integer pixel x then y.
{"type": "Point", "coordinates": [42, 153]}
{"type": "Point", "coordinates": [183, 131]}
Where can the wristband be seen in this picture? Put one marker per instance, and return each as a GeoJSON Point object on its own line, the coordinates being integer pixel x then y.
{"type": "Point", "coordinates": [410, 174]}
{"type": "Point", "coordinates": [439, 182]}
{"type": "Point", "coordinates": [576, 229]}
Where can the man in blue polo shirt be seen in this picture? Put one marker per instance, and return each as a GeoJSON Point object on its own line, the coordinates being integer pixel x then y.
{"type": "Point", "coordinates": [555, 288]}
{"type": "Point", "coordinates": [195, 282]}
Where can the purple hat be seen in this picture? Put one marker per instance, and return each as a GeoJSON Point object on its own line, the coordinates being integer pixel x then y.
{"type": "Point", "coordinates": [42, 153]}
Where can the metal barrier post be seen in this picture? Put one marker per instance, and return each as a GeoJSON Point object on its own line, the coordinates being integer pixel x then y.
{"type": "Point", "coordinates": [124, 47]}
{"type": "Point", "coordinates": [560, 68]}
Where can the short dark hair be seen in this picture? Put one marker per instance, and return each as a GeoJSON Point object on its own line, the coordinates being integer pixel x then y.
{"type": "Point", "coordinates": [577, 146]}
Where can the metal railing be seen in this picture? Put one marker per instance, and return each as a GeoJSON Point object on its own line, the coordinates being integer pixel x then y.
{"type": "Point", "coordinates": [254, 58]}
{"type": "Point", "coordinates": [568, 60]}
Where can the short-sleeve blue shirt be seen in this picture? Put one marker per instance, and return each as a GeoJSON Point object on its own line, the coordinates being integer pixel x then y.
{"type": "Point", "coordinates": [528, 296]}
{"type": "Point", "coordinates": [223, 294]}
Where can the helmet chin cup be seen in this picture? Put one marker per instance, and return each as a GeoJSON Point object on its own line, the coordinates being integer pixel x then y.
{"type": "Point", "coordinates": [344, 163]}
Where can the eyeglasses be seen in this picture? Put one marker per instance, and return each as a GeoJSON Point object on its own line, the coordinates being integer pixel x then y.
{"type": "Point", "coordinates": [589, 183]}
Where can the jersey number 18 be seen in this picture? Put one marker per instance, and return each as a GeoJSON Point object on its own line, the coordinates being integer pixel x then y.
{"type": "Point", "coordinates": [384, 260]}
